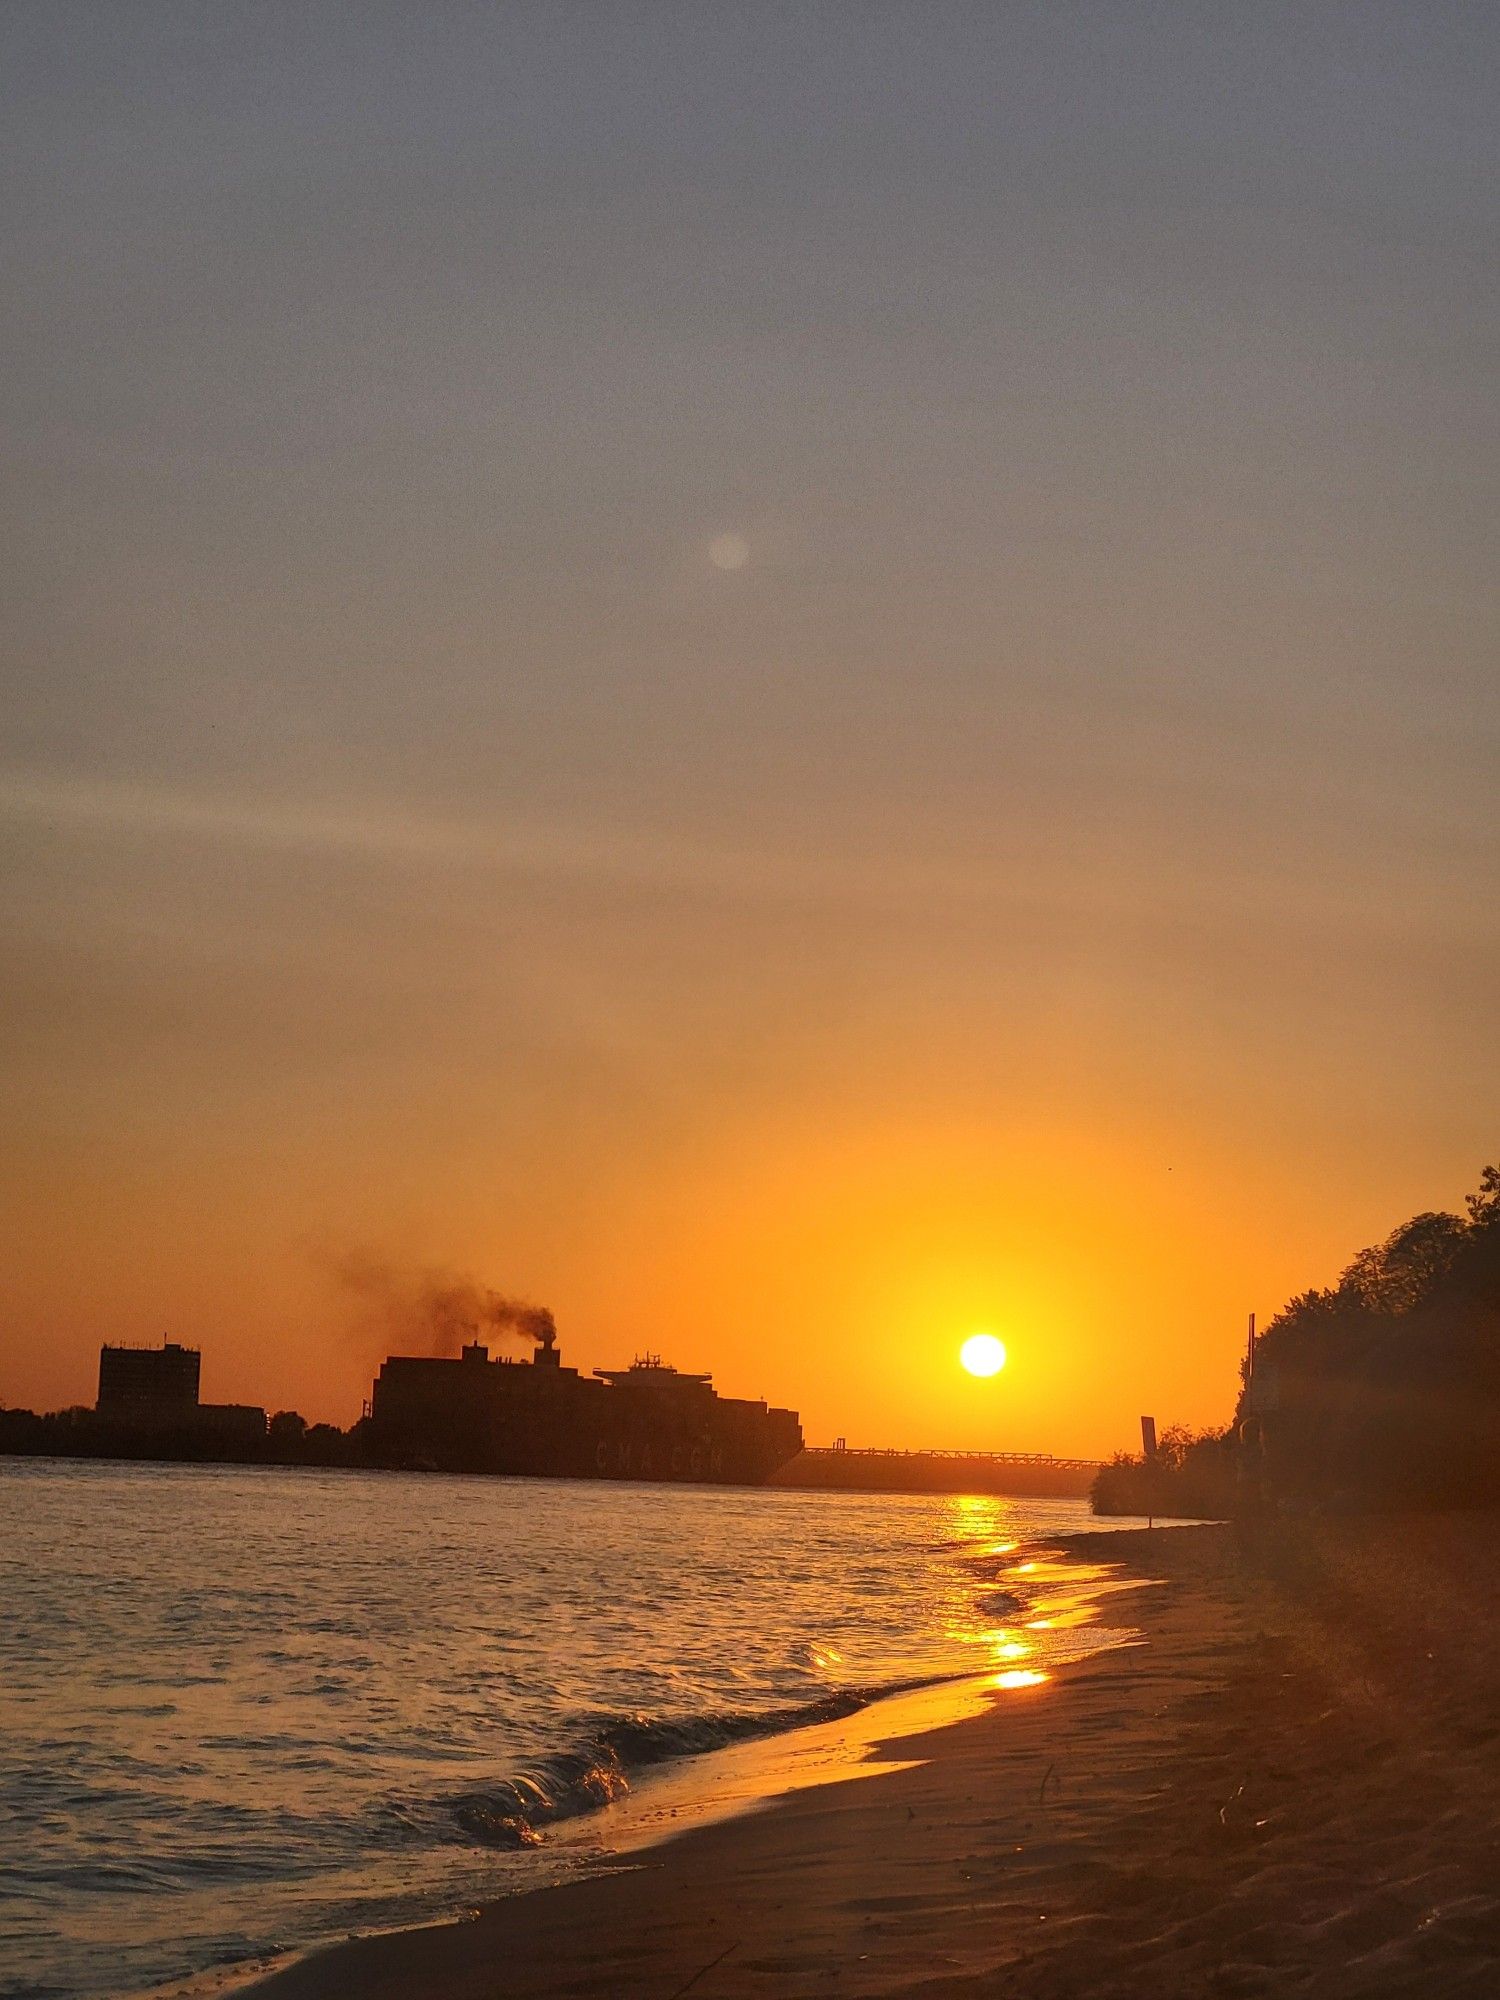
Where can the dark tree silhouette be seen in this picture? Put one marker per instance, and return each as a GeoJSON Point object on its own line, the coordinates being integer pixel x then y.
{"type": "Point", "coordinates": [1383, 1390]}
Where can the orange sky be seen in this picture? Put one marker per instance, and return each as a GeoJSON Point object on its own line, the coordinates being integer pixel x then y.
{"type": "Point", "coordinates": [1047, 886]}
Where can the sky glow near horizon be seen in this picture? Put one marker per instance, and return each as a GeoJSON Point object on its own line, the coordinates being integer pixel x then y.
{"type": "Point", "coordinates": [794, 679]}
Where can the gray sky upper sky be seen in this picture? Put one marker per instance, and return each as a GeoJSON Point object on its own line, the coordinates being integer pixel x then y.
{"type": "Point", "coordinates": [1104, 395]}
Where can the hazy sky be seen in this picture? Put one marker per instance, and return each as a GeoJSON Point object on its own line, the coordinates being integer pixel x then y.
{"type": "Point", "coordinates": [1046, 881]}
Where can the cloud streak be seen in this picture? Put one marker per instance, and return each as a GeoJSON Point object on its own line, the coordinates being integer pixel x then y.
{"type": "Point", "coordinates": [1023, 875]}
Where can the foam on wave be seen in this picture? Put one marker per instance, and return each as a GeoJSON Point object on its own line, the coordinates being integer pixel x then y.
{"type": "Point", "coordinates": [513, 1812]}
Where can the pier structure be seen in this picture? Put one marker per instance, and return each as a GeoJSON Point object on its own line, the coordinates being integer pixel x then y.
{"type": "Point", "coordinates": [1023, 1474]}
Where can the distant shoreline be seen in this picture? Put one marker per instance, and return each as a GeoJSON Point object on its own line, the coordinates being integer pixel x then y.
{"type": "Point", "coordinates": [1021, 1477]}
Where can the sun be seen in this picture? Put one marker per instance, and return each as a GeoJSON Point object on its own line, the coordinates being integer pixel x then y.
{"type": "Point", "coordinates": [982, 1354]}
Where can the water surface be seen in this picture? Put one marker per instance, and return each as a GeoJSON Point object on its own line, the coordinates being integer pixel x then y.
{"type": "Point", "coordinates": [244, 1711]}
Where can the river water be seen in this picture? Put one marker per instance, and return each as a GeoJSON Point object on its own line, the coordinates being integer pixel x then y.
{"type": "Point", "coordinates": [244, 1711]}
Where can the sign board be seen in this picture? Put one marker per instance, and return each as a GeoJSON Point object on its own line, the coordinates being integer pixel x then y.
{"type": "Point", "coordinates": [1148, 1436]}
{"type": "Point", "coordinates": [1263, 1390]}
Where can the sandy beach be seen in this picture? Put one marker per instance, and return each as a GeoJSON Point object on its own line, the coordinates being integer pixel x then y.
{"type": "Point", "coordinates": [1291, 1785]}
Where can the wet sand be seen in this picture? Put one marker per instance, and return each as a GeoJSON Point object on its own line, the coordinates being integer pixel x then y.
{"type": "Point", "coordinates": [1292, 1786]}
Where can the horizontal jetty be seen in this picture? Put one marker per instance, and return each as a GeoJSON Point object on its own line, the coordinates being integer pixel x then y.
{"type": "Point", "coordinates": [1025, 1474]}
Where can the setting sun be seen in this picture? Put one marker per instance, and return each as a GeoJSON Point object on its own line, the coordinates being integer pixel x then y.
{"type": "Point", "coordinates": [982, 1354]}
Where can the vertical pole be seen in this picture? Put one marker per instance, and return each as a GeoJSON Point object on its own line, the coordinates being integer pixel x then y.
{"type": "Point", "coordinates": [1148, 1455]}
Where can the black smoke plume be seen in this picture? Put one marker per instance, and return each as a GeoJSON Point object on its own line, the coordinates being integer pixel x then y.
{"type": "Point", "coordinates": [432, 1311]}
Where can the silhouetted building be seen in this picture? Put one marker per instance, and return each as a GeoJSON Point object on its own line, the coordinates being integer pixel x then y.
{"type": "Point", "coordinates": [230, 1424]}
{"type": "Point", "coordinates": [148, 1381]}
{"type": "Point", "coordinates": [538, 1418]}
{"type": "Point", "coordinates": [154, 1391]}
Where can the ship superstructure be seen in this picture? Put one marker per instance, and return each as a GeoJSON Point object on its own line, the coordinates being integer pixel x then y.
{"type": "Point", "coordinates": [483, 1413]}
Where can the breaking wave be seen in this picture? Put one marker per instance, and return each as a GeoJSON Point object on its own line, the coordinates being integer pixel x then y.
{"type": "Point", "coordinates": [513, 1812]}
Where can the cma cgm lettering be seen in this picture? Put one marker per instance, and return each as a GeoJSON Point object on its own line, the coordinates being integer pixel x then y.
{"type": "Point", "coordinates": [536, 1418]}
{"type": "Point", "coordinates": [629, 1458]}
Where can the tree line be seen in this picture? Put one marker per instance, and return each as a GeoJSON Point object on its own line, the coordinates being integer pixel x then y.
{"type": "Point", "coordinates": [1381, 1391]}
{"type": "Point", "coordinates": [288, 1439]}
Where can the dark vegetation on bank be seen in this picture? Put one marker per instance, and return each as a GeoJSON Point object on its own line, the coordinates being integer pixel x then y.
{"type": "Point", "coordinates": [1193, 1476]}
{"type": "Point", "coordinates": [288, 1439]}
{"type": "Point", "coordinates": [1383, 1391]}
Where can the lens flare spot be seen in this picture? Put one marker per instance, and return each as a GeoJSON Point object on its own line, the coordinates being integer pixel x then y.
{"type": "Point", "coordinates": [729, 552]}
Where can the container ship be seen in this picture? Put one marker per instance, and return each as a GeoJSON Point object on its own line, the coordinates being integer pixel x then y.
{"type": "Point", "coordinates": [538, 1419]}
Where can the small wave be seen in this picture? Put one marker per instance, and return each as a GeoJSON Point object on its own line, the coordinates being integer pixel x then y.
{"type": "Point", "coordinates": [512, 1813]}
{"type": "Point", "coordinates": [996, 1601]}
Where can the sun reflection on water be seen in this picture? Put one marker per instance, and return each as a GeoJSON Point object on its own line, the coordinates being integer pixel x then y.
{"type": "Point", "coordinates": [1054, 1603]}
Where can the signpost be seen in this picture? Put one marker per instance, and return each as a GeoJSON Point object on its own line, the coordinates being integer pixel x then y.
{"type": "Point", "coordinates": [1148, 1452]}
